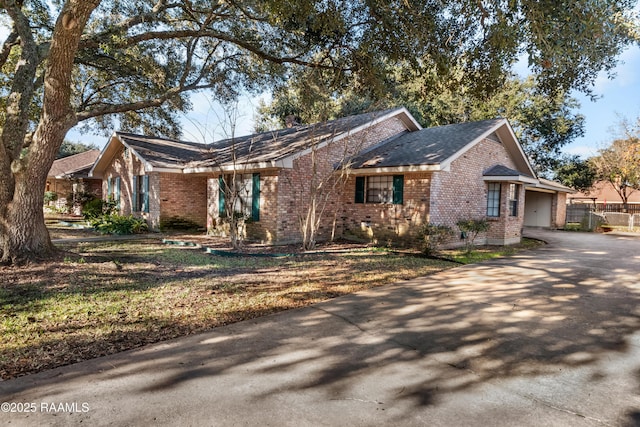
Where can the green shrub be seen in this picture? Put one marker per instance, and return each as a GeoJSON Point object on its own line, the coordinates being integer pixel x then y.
{"type": "Point", "coordinates": [470, 229]}
{"type": "Point", "coordinates": [432, 236]}
{"type": "Point", "coordinates": [97, 207]}
{"type": "Point", "coordinates": [118, 224]}
{"type": "Point", "coordinates": [50, 196]}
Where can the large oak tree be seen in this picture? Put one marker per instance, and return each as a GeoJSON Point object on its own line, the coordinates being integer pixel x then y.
{"type": "Point", "coordinates": [131, 63]}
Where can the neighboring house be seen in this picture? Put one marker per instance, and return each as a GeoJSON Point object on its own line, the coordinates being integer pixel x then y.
{"type": "Point", "coordinates": [69, 176]}
{"type": "Point", "coordinates": [606, 198]}
{"type": "Point", "coordinates": [376, 175]}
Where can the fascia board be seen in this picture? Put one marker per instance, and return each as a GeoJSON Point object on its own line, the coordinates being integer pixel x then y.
{"type": "Point", "coordinates": [151, 168]}
{"type": "Point", "coordinates": [519, 148]}
{"type": "Point", "coordinates": [545, 188]}
{"type": "Point", "coordinates": [512, 142]}
{"type": "Point", "coordinates": [395, 169]}
{"type": "Point", "coordinates": [514, 179]}
{"type": "Point", "coordinates": [275, 164]}
{"type": "Point", "coordinates": [109, 147]}
{"type": "Point", "coordinates": [101, 156]}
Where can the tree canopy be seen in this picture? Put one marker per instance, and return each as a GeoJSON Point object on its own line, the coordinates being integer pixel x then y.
{"type": "Point", "coordinates": [130, 64]}
{"type": "Point", "coordinates": [575, 173]}
{"type": "Point", "coordinates": [69, 148]}
{"type": "Point", "coordinates": [619, 165]}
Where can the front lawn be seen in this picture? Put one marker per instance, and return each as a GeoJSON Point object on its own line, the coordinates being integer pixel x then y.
{"type": "Point", "coordinates": [105, 297]}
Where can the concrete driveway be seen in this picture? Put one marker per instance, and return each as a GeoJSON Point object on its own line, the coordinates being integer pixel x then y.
{"type": "Point", "coordinates": [547, 338]}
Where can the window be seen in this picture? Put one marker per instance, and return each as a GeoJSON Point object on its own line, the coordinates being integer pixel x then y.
{"type": "Point", "coordinates": [140, 187]}
{"type": "Point", "coordinates": [247, 195]}
{"type": "Point", "coordinates": [493, 200]}
{"type": "Point", "coordinates": [513, 199]}
{"type": "Point", "coordinates": [380, 189]}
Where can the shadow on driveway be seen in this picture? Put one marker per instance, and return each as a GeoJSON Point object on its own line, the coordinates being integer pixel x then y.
{"type": "Point", "coordinates": [547, 337]}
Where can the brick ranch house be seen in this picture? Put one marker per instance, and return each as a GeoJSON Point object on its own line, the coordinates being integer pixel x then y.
{"type": "Point", "coordinates": [376, 176]}
{"type": "Point", "coordinates": [69, 176]}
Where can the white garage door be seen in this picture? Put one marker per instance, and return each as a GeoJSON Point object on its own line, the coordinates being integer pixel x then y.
{"type": "Point", "coordinates": [537, 209]}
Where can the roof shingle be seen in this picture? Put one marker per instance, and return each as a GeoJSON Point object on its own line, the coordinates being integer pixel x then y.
{"type": "Point", "coordinates": [429, 146]}
{"type": "Point", "coordinates": [73, 165]}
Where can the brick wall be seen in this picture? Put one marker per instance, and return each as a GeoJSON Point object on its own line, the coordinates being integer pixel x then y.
{"type": "Point", "coordinates": [125, 167]}
{"type": "Point", "coordinates": [316, 169]}
{"type": "Point", "coordinates": [285, 193]}
{"type": "Point", "coordinates": [443, 198]}
{"type": "Point", "coordinates": [559, 210]}
{"type": "Point", "coordinates": [180, 196]}
{"type": "Point", "coordinates": [461, 193]}
{"type": "Point", "coordinates": [506, 229]}
{"type": "Point", "coordinates": [264, 230]}
{"type": "Point", "coordinates": [385, 223]}
{"type": "Point", "coordinates": [170, 194]}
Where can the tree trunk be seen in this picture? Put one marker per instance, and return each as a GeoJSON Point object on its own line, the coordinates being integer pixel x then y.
{"type": "Point", "coordinates": [25, 236]}
{"type": "Point", "coordinates": [26, 161]}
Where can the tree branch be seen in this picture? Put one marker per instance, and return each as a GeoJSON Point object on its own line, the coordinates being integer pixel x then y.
{"type": "Point", "coordinates": [104, 109]}
{"type": "Point", "coordinates": [169, 35]}
{"type": "Point", "coordinates": [19, 99]}
{"type": "Point", "coordinates": [9, 43]}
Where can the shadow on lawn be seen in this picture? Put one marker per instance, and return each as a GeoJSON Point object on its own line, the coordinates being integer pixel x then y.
{"type": "Point", "coordinates": [524, 316]}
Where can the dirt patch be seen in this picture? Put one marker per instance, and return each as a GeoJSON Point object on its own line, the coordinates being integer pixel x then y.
{"type": "Point", "coordinates": [222, 244]}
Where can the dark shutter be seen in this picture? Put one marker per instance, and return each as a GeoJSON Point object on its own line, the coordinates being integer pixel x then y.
{"type": "Point", "coordinates": [255, 198]}
{"type": "Point", "coordinates": [145, 193]}
{"type": "Point", "coordinates": [117, 192]}
{"type": "Point", "coordinates": [359, 189]}
{"type": "Point", "coordinates": [221, 209]}
{"type": "Point", "coordinates": [398, 189]}
{"type": "Point", "coordinates": [134, 195]}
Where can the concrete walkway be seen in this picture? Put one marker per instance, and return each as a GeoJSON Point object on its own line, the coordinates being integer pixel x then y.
{"type": "Point", "coordinates": [547, 338]}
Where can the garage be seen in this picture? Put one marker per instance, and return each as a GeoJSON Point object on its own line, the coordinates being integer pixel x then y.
{"type": "Point", "coordinates": [538, 209]}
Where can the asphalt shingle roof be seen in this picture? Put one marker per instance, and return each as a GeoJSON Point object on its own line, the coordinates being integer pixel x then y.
{"type": "Point", "coordinates": [163, 152]}
{"type": "Point", "coordinates": [77, 164]}
{"type": "Point", "coordinates": [501, 170]}
{"type": "Point", "coordinates": [276, 145]}
{"type": "Point", "coordinates": [260, 147]}
{"type": "Point", "coordinates": [430, 146]}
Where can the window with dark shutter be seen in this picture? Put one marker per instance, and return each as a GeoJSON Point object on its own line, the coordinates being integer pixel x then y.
{"type": "Point", "coordinates": [255, 198]}
{"type": "Point", "coordinates": [359, 189]}
{"type": "Point", "coordinates": [398, 189]}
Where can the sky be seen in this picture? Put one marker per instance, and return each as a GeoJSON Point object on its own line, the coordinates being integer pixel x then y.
{"type": "Point", "coordinates": [619, 98]}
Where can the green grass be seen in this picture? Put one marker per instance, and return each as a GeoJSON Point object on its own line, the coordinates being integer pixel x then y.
{"type": "Point", "coordinates": [485, 253]}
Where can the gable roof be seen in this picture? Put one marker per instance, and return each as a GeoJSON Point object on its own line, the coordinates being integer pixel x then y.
{"type": "Point", "coordinates": [506, 174]}
{"type": "Point", "coordinates": [435, 148]}
{"type": "Point", "coordinates": [263, 150]}
{"type": "Point", "coordinates": [76, 165]}
{"type": "Point", "coordinates": [163, 152]}
{"type": "Point", "coordinates": [160, 154]}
